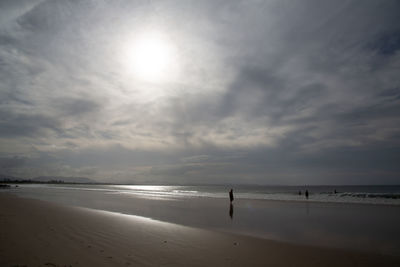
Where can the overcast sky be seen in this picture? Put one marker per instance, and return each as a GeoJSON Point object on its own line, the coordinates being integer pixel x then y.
{"type": "Point", "coordinates": [267, 92]}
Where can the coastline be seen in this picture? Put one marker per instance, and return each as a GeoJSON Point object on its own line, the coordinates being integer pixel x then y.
{"type": "Point", "coordinates": [376, 196]}
{"type": "Point", "coordinates": [361, 227]}
{"type": "Point", "coordinates": [39, 233]}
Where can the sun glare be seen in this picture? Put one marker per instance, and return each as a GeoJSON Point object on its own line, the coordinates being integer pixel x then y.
{"type": "Point", "coordinates": [151, 57]}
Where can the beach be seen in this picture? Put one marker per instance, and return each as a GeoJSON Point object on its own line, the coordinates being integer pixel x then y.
{"type": "Point", "coordinates": [287, 218]}
{"type": "Point", "coordinates": [40, 233]}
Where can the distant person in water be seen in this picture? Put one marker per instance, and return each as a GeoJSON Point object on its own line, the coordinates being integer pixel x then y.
{"type": "Point", "coordinates": [299, 192]}
{"type": "Point", "coordinates": [231, 195]}
{"type": "Point", "coordinates": [306, 194]}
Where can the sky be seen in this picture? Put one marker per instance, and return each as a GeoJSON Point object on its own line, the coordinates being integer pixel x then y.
{"type": "Point", "coordinates": [260, 92]}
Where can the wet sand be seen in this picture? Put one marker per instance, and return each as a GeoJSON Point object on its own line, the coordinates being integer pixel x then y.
{"type": "Point", "coordinates": [39, 233]}
{"type": "Point", "coordinates": [363, 227]}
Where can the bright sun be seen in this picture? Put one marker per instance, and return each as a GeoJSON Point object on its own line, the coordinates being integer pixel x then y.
{"type": "Point", "coordinates": [151, 57]}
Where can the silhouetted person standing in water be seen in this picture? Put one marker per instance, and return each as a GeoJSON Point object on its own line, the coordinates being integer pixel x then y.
{"type": "Point", "coordinates": [231, 205]}
{"type": "Point", "coordinates": [306, 194]}
{"type": "Point", "coordinates": [231, 195]}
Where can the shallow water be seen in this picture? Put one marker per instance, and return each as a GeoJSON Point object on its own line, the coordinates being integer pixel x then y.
{"type": "Point", "coordinates": [382, 194]}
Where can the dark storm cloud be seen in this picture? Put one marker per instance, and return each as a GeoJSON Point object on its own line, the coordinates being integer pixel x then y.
{"type": "Point", "coordinates": [270, 92]}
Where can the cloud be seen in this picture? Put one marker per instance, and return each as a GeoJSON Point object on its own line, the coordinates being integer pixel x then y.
{"type": "Point", "coordinates": [11, 162]}
{"type": "Point", "coordinates": [75, 106]}
{"type": "Point", "coordinates": [386, 43]}
{"type": "Point", "coordinates": [267, 92]}
{"type": "Point", "coordinates": [27, 125]}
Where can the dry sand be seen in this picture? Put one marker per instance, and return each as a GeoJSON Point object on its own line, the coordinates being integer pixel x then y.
{"type": "Point", "coordinates": [38, 233]}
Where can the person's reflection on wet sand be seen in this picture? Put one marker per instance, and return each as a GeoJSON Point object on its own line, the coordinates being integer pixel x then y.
{"type": "Point", "coordinates": [307, 209]}
{"type": "Point", "coordinates": [231, 211]}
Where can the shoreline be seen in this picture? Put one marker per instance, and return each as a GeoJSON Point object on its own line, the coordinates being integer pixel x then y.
{"type": "Point", "coordinates": [36, 233]}
{"type": "Point", "coordinates": [302, 199]}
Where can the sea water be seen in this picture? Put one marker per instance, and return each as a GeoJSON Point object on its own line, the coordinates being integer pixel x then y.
{"type": "Point", "coordinates": [372, 194]}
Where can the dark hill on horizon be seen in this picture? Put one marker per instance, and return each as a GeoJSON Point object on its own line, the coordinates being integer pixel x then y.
{"type": "Point", "coordinates": [46, 179]}
{"type": "Point", "coordinates": [64, 179]}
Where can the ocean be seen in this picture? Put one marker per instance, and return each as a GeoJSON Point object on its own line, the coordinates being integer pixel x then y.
{"type": "Point", "coordinates": [372, 194]}
{"type": "Point", "coordinates": [355, 217]}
